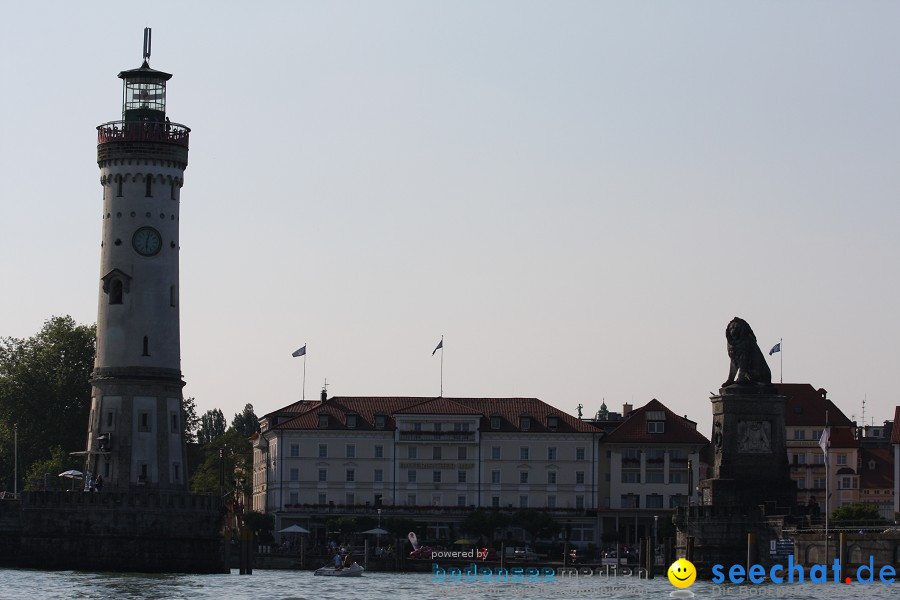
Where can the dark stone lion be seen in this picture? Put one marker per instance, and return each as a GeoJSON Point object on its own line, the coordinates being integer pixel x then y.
{"type": "Point", "coordinates": [748, 365]}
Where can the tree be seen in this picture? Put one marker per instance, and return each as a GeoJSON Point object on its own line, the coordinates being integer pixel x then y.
{"type": "Point", "coordinates": [536, 523]}
{"type": "Point", "coordinates": [44, 474]}
{"type": "Point", "coordinates": [212, 425]}
{"type": "Point", "coordinates": [190, 419]}
{"type": "Point", "coordinates": [484, 523]}
{"type": "Point", "coordinates": [237, 460]}
{"type": "Point", "coordinates": [45, 389]}
{"type": "Point", "coordinates": [857, 514]}
{"type": "Point", "coordinates": [262, 525]}
{"type": "Point", "coordinates": [246, 421]}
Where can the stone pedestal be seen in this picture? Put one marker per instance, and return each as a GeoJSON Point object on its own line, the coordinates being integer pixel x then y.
{"type": "Point", "coordinates": [749, 455]}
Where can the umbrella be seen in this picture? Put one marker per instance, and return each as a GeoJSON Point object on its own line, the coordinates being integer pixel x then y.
{"type": "Point", "coordinates": [294, 529]}
{"type": "Point", "coordinates": [73, 475]}
{"type": "Point", "coordinates": [377, 531]}
{"type": "Point", "coordinates": [463, 542]}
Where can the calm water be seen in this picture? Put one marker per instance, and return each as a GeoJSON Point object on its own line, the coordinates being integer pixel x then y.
{"type": "Point", "coordinates": [23, 583]}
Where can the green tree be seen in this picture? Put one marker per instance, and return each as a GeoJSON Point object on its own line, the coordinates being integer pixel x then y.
{"type": "Point", "coordinates": [212, 425]}
{"type": "Point", "coordinates": [236, 460]}
{"type": "Point", "coordinates": [536, 523]}
{"type": "Point", "coordinates": [484, 523]}
{"type": "Point", "coordinates": [262, 525]}
{"type": "Point", "coordinates": [857, 514]}
{"type": "Point", "coordinates": [190, 419]}
{"type": "Point", "coordinates": [45, 390]}
{"type": "Point", "coordinates": [44, 474]}
{"type": "Point", "coordinates": [246, 421]}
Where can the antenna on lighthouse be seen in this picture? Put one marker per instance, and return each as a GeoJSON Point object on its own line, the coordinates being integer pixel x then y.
{"type": "Point", "coordinates": [146, 43]}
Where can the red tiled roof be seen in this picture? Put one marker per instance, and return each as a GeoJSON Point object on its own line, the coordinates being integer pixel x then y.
{"type": "Point", "coordinates": [882, 476]}
{"type": "Point", "coordinates": [366, 407]}
{"type": "Point", "coordinates": [842, 437]}
{"type": "Point", "coordinates": [895, 432]}
{"type": "Point", "coordinates": [677, 430]}
{"type": "Point", "coordinates": [806, 406]}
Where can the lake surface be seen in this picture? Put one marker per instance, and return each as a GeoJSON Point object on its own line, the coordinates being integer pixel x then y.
{"type": "Point", "coordinates": [26, 583]}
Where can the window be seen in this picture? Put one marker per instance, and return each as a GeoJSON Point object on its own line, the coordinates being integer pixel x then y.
{"type": "Point", "coordinates": [523, 453]}
{"type": "Point", "coordinates": [172, 190]}
{"type": "Point", "coordinates": [173, 422]}
{"type": "Point", "coordinates": [411, 499]}
{"type": "Point", "coordinates": [523, 476]}
{"type": "Point", "coordinates": [323, 475]}
{"type": "Point", "coordinates": [109, 419]}
{"type": "Point", "coordinates": [146, 349]}
{"type": "Point", "coordinates": [323, 421]}
{"type": "Point", "coordinates": [322, 499]}
{"type": "Point", "coordinates": [176, 471]}
{"type": "Point", "coordinates": [412, 452]}
{"type": "Point", "coordinates": [351, 450]}
{"type": "Point", "coordinates": [351, 475]}
{"type": "Point", "coordinates": [552, 423]}
{"type": "Point", "coordinates": [495, 501]}
{"type": "Point", "coordinates": [351, 499]}
{"type": "Point", "coordinates": [842, 459]}
{"type": "Point", "coordinates": [143, 470]}
{"type": "Point", "coordinates": [460, 477]}
{"type": "Point", "coordinates": [295, 450]}
{"type": "Point", "coordinates": [495, 422]}
{"type": "Point", "coordinates": [579, 477]}
{"type": "Point", "coordinates": [173, 296]}
{"type": "Point", "coordinates": [351, 421]}
{"type": "Point", "coordinates": [579, 502]}
{"type": "Point", "coordinates": [436, 453]}
{"type": "Point", "coordinates": [551, 501]}
{"type": "Point", "coordinates": [417, 427]}
{"type": "Point", "coordinates": [631, 476]}
{"type": "Point", "coordinates": [379, 451]}
{"type": "Point", "coordinates": [579, 453]}
{"type": "Point", "coordinates": [656, 427]}
{"type": "Point", "coordinates": [551, 477]}
{"type": "Point", "coordinates": [115, 292]}
{"type": "Point", "coordinates": [295, 474]}
{"type": "Point", "coordinates": [551, 453]}
{"type": "Point", "coordinates": [144, 421]}
{"type": "Point", "coordinates": [800, 459]}
{"type": "Point", "coordinates": [460, 500]}
{"type": "Point", "coordinates": [148, 192]}
{"type": "Point", "coordinates": [655, 476]}
{"type": "Point", "coordinates": [379, 475]}
{"type": "Point", "coordinates": [437, 427]}
{"type": "Point", "coordinates": [819, 458]}
{"type": "Point", "coordinates": [435, 476]}
{"type": "Point", "coordinates": [460, 427]}
{"type": "Point", "coordinates": [461, 452]}
{"type": "Point", "coordinates": [379, 421]}
{"type": "Point", "coordinates": [800, 434]}
{"type": "Point", "coordinates": [495, 452]}
{"type": "Point", "coordinates": [495, 477]}
{"type": "Point", "coordinates": [118, 186]}
{"type": "Point", "coordinates": [323, 450]}
{"type": "Point", "coordinates": [654, 501]}
{"type": "Point", "coordinates": [676, 500]}
{"type": "Point", "coordinates": [411, 476]}
{"type": "Point", "coordinates": [630, 501]}
{"type": "Point", "coordinates": [525, 423]}
{"type": "Point", "coordinates": [523, 501]}
{"type": "Point", "coordinates": [816, 434]}
{"type": "Point", "coordinates": [294, 498]}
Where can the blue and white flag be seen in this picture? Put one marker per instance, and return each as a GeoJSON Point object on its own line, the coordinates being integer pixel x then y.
{"type": "Point", "coordinates": [439, 346]}
{"type": "Point", "coordinates": [300, 352]}
{"type": "Point", "coordinates": [775, 348]}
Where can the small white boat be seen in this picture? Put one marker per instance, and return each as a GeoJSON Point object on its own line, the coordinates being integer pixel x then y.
{"type": "Point", "coordinates": [354, 570]}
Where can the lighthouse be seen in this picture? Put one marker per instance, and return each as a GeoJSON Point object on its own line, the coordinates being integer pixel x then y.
{"type": "Point", "coordinates": [136, 433]}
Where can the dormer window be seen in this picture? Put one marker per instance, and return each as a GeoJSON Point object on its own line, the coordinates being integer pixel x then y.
{"type": "Point", "coordinates": [351, 421]}
{"type": "Point", "coordinates": [552, 423]}
{"type": "Point", "coordinates": [525, 423]}
{"type": "Point", "coordinates": [656, 426]}
{"type": "Point", "coordinates": [379, 421]}
{"type": "Point", "coordinates": [323, 421]}
{"type": "Point", "coordinates": [495, 422]}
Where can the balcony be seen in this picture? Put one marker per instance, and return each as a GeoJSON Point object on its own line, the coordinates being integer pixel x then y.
{"type": "Point", "coordinates": [143, 131]}
{"type": "Point", "coordinates": [437, 436]}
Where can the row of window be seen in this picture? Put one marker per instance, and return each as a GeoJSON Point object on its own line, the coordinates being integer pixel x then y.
{"type": "Point", "coordinates": [818, 459]}
{"type": "Point", "coordinates": [148, 187]}
{"type": "Point", "coordinates": [437, 500]}
{"type": "Point", "coordinates": [436, 476]}
{"type": "Point", "coordinates": [436, 452]}
{"type": "Point", "coordinates": [525, 423]}
{"type": "Point", "coordinates": [654, 476]}
{"type": "Point", "coordinates": [800, 435]}
{"type": "Point", "coordinates": [650, 501]}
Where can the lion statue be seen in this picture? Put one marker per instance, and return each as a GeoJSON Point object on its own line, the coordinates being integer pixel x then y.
{"type": "Point", "coordinates": [748, 365]}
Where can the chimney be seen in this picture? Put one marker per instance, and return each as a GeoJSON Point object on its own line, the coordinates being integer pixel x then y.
{"type": "Point", "coordinates": [626, 409]}
{"type": "Point", "coordinates": [324, 394]}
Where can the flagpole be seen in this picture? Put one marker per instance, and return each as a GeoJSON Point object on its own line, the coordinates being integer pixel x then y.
{"type": "Point", "coordinates": [781, 358]}
{"type": "Point", "coordinates": [303, 397]}
{"type": "Point", "coordinates": [442, 366]}
{"type": "Point", "coordinates": [827, 482]}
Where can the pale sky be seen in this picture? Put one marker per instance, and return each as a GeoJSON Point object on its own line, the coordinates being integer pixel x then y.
{"type": "Point", "coordinates": [578, 195]}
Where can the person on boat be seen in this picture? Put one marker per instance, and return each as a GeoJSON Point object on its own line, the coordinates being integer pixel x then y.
{"type": "Point", "coordinates": [348, 559]}
{"type": "Point", "coordinates": [337, 561]}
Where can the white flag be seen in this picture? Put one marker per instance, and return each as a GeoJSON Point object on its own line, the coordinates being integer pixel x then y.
{"type": "Point", "coordinates": [824, 441]}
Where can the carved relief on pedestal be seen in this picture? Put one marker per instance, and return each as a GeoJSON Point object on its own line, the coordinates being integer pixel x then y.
{"type": "Point", "coordinates": [754, 437]}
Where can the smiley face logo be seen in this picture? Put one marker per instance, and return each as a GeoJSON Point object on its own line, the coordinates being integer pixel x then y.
{"type": "Point", "coordinates": [682, 573]}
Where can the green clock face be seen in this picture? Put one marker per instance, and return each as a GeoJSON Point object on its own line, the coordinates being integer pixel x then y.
{"type": "Point", "coordinates": [146, 241]}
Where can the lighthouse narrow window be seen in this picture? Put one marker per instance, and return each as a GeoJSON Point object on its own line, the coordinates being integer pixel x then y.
{"type": "Point", "coordinates": [118, 186]}
{"type": "Point", "coordinates": [172, 190]}
{"type": "Point", "coordinates": [115, 292]}
{"type": "Point", "coordinates": [173, 299]}
{"type": "Point", "coordinates": [146, 346]}
{"type": "Point", "coordinates": [149, 180]}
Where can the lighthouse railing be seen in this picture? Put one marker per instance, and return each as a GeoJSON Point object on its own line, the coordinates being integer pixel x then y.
{"type": "Point", "coordinates": [143, 131]}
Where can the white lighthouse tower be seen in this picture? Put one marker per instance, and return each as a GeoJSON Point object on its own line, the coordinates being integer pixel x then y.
{"type": "Point", "coordinates": [136, 434]}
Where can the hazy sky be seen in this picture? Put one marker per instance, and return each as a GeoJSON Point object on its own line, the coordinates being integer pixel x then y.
{"type": "Point", "coordinates": [578, 195]}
